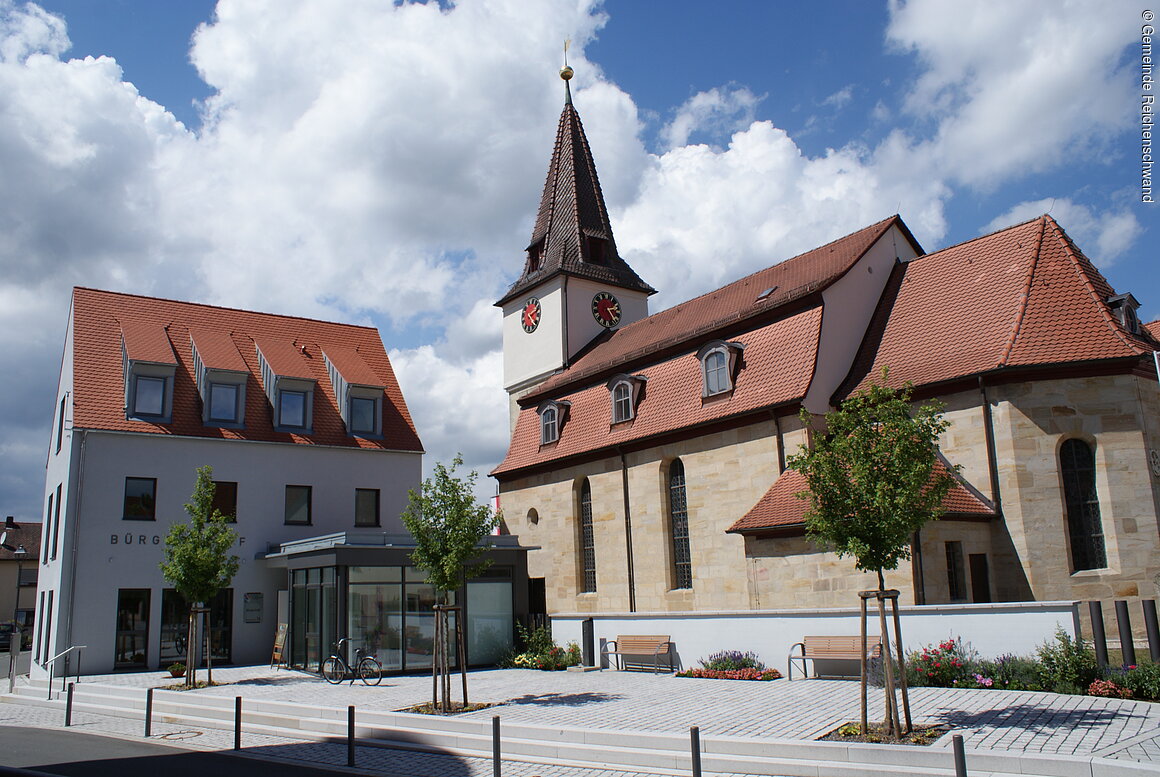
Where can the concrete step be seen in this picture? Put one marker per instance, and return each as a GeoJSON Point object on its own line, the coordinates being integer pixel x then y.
{"type": "Point", "coordinates": [596, 748]}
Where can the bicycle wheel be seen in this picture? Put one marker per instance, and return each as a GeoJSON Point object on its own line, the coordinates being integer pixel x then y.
{"type": "Point", "coordinates": [370, 671]}
{"type": "Point", "coordinates": [333, 671]}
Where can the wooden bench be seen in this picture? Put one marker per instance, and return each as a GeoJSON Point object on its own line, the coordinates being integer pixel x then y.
{"type": "Point", "coordinates": [826, 648]}
{"type": "Point", "coordinates": [645, 645]}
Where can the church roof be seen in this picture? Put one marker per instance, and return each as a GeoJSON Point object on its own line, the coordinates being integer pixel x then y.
{"type": "Point", "coordinates": [1021, 297]}
{"type": "Point", "coordinates": [1024, 296]}
{"type": "Point", "coordinates": [781, 510]}
{"type": "Point", "coordinates": [572, 234]}
{"type": "Point", "coordinates": [763, 293]}
{"type": "Point", "coordinates": [102, 320]}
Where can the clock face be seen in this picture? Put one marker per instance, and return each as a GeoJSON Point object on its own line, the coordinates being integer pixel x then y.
{"type": "Point", "coordinates": [530, 317]}
{"type": "Point", "coordinates": [606, 310]}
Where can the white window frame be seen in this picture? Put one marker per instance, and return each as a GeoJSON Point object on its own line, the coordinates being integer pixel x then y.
{"type": "Point", "coordinates": [723, 356]}
{"type": "Point", "coordinates": [624, 394]}
{"type": "Point", "coordinates": [552, 414]}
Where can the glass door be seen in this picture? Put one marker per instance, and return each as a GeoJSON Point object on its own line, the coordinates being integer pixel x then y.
{"type": "Point", "coordinates": [132, 628]}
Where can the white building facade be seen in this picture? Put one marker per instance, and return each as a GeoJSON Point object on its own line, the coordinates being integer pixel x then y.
{"type": "Point", "coordinates": [306, 431]}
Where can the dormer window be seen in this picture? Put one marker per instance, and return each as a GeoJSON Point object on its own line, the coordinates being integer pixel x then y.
{"type": "Point", "coordinates": [292, 409]}
{"type": "Point", "coordinates": [221, 375]}
{"type": "Point", "coordinates": [535, 255]}
{"type": "Point", "coordinates": [552, 416]}
{"type": "Point", "coordinates": [289, 384]}
{"type": "Point", "coordinates": [149, 367]}
{"type": "Point", "coordinates": [625, 393]}
{"type": "Point", "coordinates": [1123, 307]}
{"type": "Point", "coordinates": [359, 391]}
{"type": "Point", "coordinates": [597, 249]}
{"type": "Point", "coordinates": [718, 366]}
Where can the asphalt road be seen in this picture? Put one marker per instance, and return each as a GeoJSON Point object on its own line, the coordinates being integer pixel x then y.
{"type": "Point", "coordinates": [88, 755]}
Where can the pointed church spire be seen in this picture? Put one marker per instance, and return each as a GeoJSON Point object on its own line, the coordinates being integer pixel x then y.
{"type": "Point", "coordinates": [572, 234]}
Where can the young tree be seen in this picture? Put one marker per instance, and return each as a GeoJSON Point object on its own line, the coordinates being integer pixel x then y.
{"type": "Point", "coordinates": [448, 527]}
{"type": "Point", "coordinates": [198, 561]}
{"type": "Point", "coordinates": [873, 483]}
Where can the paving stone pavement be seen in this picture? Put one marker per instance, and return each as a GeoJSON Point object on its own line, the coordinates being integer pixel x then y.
{"type": "Point", "coordinates": [1017, 721]}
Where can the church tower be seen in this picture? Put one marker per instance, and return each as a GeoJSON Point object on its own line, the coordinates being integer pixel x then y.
{"type": "Point", "coordinates": [574, 287]}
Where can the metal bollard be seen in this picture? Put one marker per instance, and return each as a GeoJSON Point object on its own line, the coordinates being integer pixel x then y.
{"type": "Point", "coordinates": [695, 744]}
{"type": "Point", "coordinates": [1152, 629]}
{"type": "Point", "coordinates": [1123, 620]}
{"type": "Point", "coordinates": [148, 713]}
{"type": "Point", "coordinates": [350, 735]}
{"type": "Point", "coordinates": [68, 706]}
{"type": "Point", "coordinates": [960, 756]}
{"type": "Point", "coordinates": [1099, 638]}
{"type": "Point", "coordinates": [237, 722]}
{"type": "Point", "coordinates": [495, 764]}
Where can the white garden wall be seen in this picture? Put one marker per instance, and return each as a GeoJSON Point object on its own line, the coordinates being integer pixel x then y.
{"type": "Point", "coordinates": [991, 629]}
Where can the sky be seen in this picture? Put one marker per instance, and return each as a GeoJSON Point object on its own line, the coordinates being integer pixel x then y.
{"type": "Point", "coordinates": [379, 162]}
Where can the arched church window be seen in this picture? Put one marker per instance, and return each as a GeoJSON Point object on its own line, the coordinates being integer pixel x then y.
{"type": "Point", "coordinates": [1084, 526]}
{"type": "Point", "coordinates": [587, 541]}
{"type": "Point", "coordinates": [682, 568]}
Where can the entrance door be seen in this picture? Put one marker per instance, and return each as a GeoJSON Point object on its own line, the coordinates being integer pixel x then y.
{"type": "Point", "coordinates": [980, 578]}
{"type": "Point", "coordinates": [132, 628]}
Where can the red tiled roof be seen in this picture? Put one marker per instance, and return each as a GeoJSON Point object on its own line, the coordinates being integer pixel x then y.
{"type": "Point", "coordinates": [351, 366]}
{"type": "Point", "coordinates": [700, 317]}
{"type": "Point", "coordinates": [146, 341]}
{"type": "Point", "coordinates": [780, 507]}
{"type": "Point", "coordinates": [1153, 328]}
{"type": "Point", "coordinates": [217, 350]}
{"type": "Point", "coordinates": [1018, 297]}
{"type": "Point", "coordinates": [26, 534]}
{"type": "Point", "coordinates": [571, 210]}
{"type": "Point", "coordinates": [98, 382]}
{"type": "Point", "coordinates": [287, 359]}
{"type": "Point", "coordinates": [778, 361]}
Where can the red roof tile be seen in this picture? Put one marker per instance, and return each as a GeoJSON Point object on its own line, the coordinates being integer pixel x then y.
{"type": "Point", "coordinates": [781, 507]}
{"type": "Point", "coordinates": [778, 361]}
{"type": "Point", "coordinates": [217, 350]}
{"type": "Point", "coordinates": [1018, 297]}
{"type": "Point", "coordinates": [287, 359]}
{"type": "Point", "coordinates": [26, 534]}
{"type": "Point", "coordinates": [146, 341]}
{"type": "Point", "coordinates": [1153, 328]}
{"type": "Point", "coordinates": [697, 320]}
{"type": "Point", "coordinates": [98, 382]}
{"type": "Point", "coordinates": [351, 366]}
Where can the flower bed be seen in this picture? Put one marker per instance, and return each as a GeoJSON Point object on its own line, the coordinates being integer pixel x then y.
{"type": "Point", "coordinates": [732, 674]}
{"type": "Point", "coordinates": [732, 665]}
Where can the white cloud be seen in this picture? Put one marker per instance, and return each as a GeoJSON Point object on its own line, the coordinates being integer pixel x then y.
{"type": "Point", "coordinates": [717, 111]}
{"type": "Point", "coordinates": [1102, 235]}
{"type": "Point", "coordinates": [1014, 88]}
{"type": "Point", "coordinates": [379, 162]}
{"type": "Point", "coordinates": [840, 98]}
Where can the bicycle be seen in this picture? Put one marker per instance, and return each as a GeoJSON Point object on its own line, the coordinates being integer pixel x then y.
{"type": "Point", "coordinates": [366, 667]}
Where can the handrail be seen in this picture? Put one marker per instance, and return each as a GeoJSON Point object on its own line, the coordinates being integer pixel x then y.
{"type": "Point", "coordinates": [50, 666]}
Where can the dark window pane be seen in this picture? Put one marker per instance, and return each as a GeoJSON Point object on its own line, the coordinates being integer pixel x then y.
{"type": "Point", "coordinates": [1085, 529]}
{"type": "Point", "coordinates": [140, 499]}
{"type": "Point", "coordinates": [150, 396]}
{"type": "Point", "coordinates": [223, 402]}
{"type": "Point", "coordinates": [366, 507]}
{"type": "Point", "coordinates": [362, 415]}
{"type": "Point", "coordinates": [956, 577]}
{"type": "Point", "coordinates": [587, 540]}
{"type": "Point", "coordinates": [298, 504]}
{"type": "Point", "coordinates": [292, 408]}
{"type": "Point", "coordinates": [225, 499]}
{"type": "Point", "coordinates": [679, 526]}
{"type": "Point", "coordinates": [132, 627]}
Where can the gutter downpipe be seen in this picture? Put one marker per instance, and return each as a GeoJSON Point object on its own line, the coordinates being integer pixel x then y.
{"type": "Point", "coordinates": [989, 435]}
{"type": "Point", "coordinates": [627, 532]}
{"type": "Point", "coordinates": [76, 512]}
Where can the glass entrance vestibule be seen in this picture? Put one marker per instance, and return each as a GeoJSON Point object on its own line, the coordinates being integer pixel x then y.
{"type": "Point", "coordinates": [383, 605]}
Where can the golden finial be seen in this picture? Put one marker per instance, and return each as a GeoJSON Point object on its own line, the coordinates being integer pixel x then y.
{"type": "Point", "coordinates": [566, 72]}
